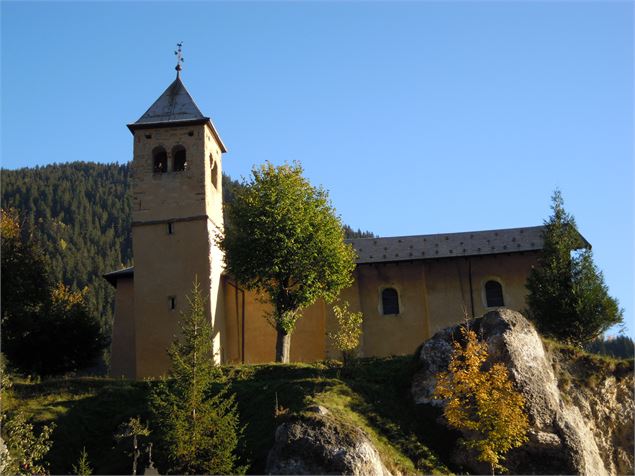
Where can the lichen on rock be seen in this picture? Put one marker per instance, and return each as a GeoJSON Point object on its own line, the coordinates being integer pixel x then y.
{"type": "Point", "coordinates": [316, 443]}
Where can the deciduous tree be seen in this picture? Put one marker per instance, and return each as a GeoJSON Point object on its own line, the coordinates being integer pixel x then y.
{"type": "Point", "coordinates": [284, 240]}
{"type": "Point", "coordinates": [24, 283]}
{"type": "Point", "coordinates": [69, 338]}
{"type": "Point", "coordinates": [345, 337]}
{"type": "Point", "coordinates": [482, 402]}
{"type": "Point", "coordinates": [45, 330]}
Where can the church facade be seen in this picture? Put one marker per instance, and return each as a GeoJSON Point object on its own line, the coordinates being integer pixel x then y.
{"type": "Point", "coordinates": [407, 287]}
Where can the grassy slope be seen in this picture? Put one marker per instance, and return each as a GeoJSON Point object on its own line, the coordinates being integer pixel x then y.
{"type": "Point", "coordinates": [579, 368]}
{"type": "Point", "coordinates": [372, 394]}
{"type": "Point", "coordinates": [86, 413]}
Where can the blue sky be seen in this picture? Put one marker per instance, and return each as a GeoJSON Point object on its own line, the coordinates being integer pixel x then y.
{"type": "Point", "coordinates": [419, 117]}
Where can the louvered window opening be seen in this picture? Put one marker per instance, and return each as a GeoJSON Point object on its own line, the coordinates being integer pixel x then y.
{"type": "Point", "coordinates": [160, 161]}
{"type": "Point", "coordinates": [179, 159]}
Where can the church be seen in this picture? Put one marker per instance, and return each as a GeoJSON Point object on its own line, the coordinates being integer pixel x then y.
{"type": "Point", "coordinates": [407, 287]}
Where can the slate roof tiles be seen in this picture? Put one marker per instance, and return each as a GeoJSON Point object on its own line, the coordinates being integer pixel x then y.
{"type": "Point", "coordinates": [441, 245]}
{"type": "Point", "coordinates": [447, 245]}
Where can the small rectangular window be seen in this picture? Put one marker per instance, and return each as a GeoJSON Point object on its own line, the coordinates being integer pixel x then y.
{"type": "Point", "coordinates": [172, 302]}
{"type": "Point", "coordinates": [170, 228]}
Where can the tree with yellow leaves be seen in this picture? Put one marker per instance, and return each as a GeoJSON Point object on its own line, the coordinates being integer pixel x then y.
{"type": "Point", "coordinates": [482, 402]}
{"type": "Point", "coordinates": [346, 336]}
{"type": "Point", "coordinates": [46, 329]}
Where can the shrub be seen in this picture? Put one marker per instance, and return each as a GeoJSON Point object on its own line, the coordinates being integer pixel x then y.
{"type": "Point", "coordinates": [349, 329]}
{"type": "Point", "coordinates": [482, 402]}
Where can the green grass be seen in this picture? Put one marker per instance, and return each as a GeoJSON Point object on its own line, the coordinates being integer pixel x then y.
{"type": "Point", "coordinates": [86, 413]}
{"type": "Point", "coordinates": [578, 368]}
{"type": "Point", "coordinates": [373, 394]}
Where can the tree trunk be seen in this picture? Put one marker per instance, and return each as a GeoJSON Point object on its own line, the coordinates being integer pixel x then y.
{"type": "Point", "coordinates": [136, 455]}
{"type": "Point", "coordinates": [346, 357]}
{"type": "Point", "coordinates": [283, 346]}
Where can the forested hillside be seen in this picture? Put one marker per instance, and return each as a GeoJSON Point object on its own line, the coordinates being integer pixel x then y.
{"type": "Point", "coordinates": [80, 213]}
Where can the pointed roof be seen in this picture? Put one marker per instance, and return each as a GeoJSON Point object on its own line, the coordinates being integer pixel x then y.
{"type": "Point", "coordinates": [175, 107]}
{"type": "Point", "coordinates": [175, 104]}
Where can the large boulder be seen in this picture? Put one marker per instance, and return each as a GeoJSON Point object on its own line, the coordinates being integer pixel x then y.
{"type": "Point", "coordinates": [316, 443]}
{"type": "Point", "coordinates": [567, 435]}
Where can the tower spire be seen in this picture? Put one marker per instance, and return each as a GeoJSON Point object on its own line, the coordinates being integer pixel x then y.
{"type": "Point", "coordinates": [179, 59]}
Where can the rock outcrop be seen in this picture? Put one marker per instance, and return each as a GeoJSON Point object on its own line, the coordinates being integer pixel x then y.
{"type": "Point", "coordinates": [316, 443]}
{"type": "Point", "coordinates": [605, 401]}
{"type": "Point", "coordinates": [577, 431]}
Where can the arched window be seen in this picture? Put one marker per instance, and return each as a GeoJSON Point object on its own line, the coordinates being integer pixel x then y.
{"type": "Point", "coordinates": [389, 301]}
{"type": "Point", "coordinates": [159, 160]}
{"type": "Point", "coordinates": [178, 153]}
{"type": "Point", "coordinates": [494, 294]}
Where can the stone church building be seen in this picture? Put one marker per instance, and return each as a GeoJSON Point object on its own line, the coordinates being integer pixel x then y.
{"type": "Point", "coordinates": [407, 287]}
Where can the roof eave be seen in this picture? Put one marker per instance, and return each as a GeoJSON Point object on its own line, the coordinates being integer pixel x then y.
{"type": "Point", "coordinates": [182, 123]}
{"type": "Point", "coordinates": [444, 257]}
{"type": "Point", "coordinates": [113, 276]}
{"type": "Point", "coordinates": [585, 242]}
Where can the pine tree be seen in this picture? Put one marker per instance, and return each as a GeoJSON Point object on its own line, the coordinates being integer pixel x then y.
{"type": "Point", "coordinates": [482, 402]}
{"type": "Point", "coordinates": [621, 347]}
{"type": "Point", "coordinates": [134, 430]}
{"type": "Point", "coordinates": [199, 428]}
{"type": "Point", "coordinates": [567, 297]}
{"type": "Point", "coordinates": [82, 468]}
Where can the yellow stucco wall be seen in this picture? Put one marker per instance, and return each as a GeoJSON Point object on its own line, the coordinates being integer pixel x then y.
{"type": "Point", "coordinates": [122, 360]}
{"type": "Point", "coordinates": [448, 285]}
{"type": "Point", "coordinates": [392, 334]}
{"type": "Point", "coordinates": [307, 341]}
{"type": "Point", "coordinates": [165, 266]}
{"type": "Point", "coordinates": [433, 294]}
{"type": "Point", "coordinates": [189, 204]}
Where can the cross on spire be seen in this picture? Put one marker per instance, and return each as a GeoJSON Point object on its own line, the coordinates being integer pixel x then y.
{"type": "Point", "coordinates": [179, 58]}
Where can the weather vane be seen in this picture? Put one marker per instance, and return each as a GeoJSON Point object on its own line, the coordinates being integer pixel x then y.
{"type": "Point", "coordinates": [179, 58]}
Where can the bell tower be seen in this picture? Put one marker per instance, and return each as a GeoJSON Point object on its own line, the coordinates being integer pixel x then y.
{"type": "Point", "coordinates": [177, 211]}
